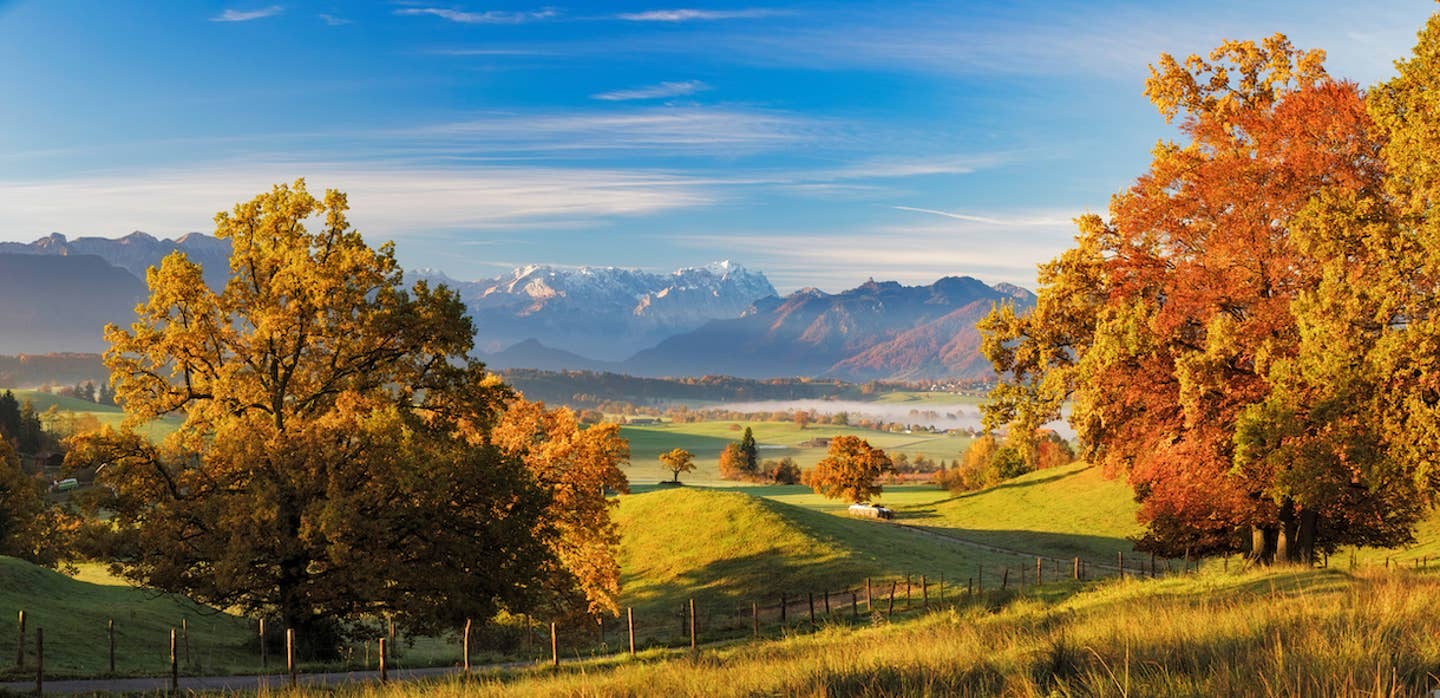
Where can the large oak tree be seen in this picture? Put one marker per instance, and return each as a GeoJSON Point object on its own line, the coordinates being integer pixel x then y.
{"type": "Point", "coordinates": [335, 460]}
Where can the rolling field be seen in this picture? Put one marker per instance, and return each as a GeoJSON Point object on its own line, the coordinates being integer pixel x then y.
{"type": "Point", "coordinates": [776, 440]}
{"type": "Point", "coordinates": [106, 414]}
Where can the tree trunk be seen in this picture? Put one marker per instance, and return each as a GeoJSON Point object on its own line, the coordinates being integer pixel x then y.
{"type": "Point", "coordinates": [1305, 534]}
{"type": "Point", "coordinates": [1262, 545]}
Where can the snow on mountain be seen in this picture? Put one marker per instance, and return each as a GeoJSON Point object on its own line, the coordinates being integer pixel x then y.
{"type": "Point", "coordinates": [605, 313]}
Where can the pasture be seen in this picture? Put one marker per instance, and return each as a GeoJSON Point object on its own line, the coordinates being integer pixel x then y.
{"type": "Point", "coordinates": [775, 439]}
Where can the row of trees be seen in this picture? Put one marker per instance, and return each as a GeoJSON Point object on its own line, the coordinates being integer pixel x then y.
{"type": "Point", "coordinates": [988, 461]}
{"type": "Point", "coordinates": [1250, 335]}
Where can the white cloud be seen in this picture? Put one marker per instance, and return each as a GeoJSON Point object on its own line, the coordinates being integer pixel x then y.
{"type": "Point", "coordinates": [334, 20]}
{"type": "Point", "coordinates": [487, 17]}
{"type": "Point", "coordinates": [660, 91]}
{"type": "Point", "coordinates": [247, 15]}
{"type": "Point", "coordinates": [672, 130]}
{"type": "Point", "coordinates": [690, 15]}
{"type": "Point", "coordinates": [388, 201]}
{"type": "Point", "coordinates": [991, 220]}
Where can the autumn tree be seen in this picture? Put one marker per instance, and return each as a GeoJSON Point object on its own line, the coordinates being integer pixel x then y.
{"type": "Point", "coordinates": [851, 470]}
{"type": "Point", "coordinates": [677, 460]}
{"type": "Point", "coordinates": [1166, 323]}
{"type": "Point", "coordinates": [578, 467]}
{"type": "Point", "coordinates": [334, 462]}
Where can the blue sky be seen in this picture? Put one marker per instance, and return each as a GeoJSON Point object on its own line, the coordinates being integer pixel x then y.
{"type": "Point", "coordinates": [821, 142]}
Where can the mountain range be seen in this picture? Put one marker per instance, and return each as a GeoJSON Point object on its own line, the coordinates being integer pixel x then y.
{"type": "Point", "coordinates": [56, 294]}
{"type": "Point", "coordinates": [603, 313]}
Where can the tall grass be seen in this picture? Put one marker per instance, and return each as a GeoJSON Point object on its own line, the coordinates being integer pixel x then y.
{"type": "Point", "coordinates": [1271, 633]}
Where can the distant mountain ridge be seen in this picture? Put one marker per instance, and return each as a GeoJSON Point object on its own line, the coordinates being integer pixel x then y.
{"type": "Point", "coordinates": [603, 313]}
{"type": "Point", "coordinates": [878, 330]}
{"type": "Point", "coordinates": [136, 252]}
{"type": "Point", "coordinates": [56, 294]}
{"type": "Point", "coordinates": [52, 303]}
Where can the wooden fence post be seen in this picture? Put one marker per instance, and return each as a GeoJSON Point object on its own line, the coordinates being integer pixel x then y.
{"type": "Point", "coordinates": [20, 644]}
{"type": "Point", "coordinates": [811, 595]}
{"type": "Point", "coordinates": [970, 586]}
{"type": "Point", "coordinates": [384, 668]}
{"type": "Point", "coordinates": [630, 623]}
{"type": "Point", "coordinates": [1120, 562]}
{"type": "Point", "coordinates": [110, 635]}
{"type": "Point", "coordinates": [783, 607]}
{"type": "Point", "coordinates": [39, 661]}
{"type": "Point", "coordinates": [264, 650]}
{"type": "Point", "coordinates": [891, 610]}
{"type": "Point", "coordinates": [465, 647]}
{"type": "Point", "coordinates": [1039, 572]}
{"type": "Point", "coordinates": [1005, 579]}
{"type": "Point", "coordinates": [827, 602]}
{"type": "Point", "coordinates": [1076, 573]}
{"type": "Point", "coordinates": [924, 592]}
{"type": "Point", "coordinates": [694, 633]}
{"type": "Point", "coordinates": [554, 647]}
{"type": "Point", "coordinates": [290, 654]}
{"type": "Point", "coordinates": [907, 591]}
{"type": "Point", "coordinates": [185, 635]}
{"type": "Point", "coordinates": [942, 588]}
{"type": "Point", "coordinates": [755, 620]}
{"type": "Point", "coordinates": [869, 600]}
{"type": "Point", "coordinates": [174, 666]}
{"type": "Point", "coordinates": [854, 606]}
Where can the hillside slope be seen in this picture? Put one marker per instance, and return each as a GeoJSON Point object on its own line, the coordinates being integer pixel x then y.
{"type": "Point", "coordinates": [62, 303]}
{"type": "Point", "coordinates": [73, 614]}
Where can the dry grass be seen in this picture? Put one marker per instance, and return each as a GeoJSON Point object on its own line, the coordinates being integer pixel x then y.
{"type": "Point", "coordinates": [1271, 633]}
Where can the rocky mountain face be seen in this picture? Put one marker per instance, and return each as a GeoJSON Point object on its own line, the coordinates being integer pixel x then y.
{"type": "Point", "coordinates": [602, 313]}
{"type": "Point", "coordinates": [876, 330]}
{"type": "Point", "coordinates": [136, 252]}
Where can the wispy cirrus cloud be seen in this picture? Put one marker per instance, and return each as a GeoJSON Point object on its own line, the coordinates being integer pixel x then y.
{"type": "Point", "coordinates": [658, 91]}
{"type": "Point", "coordinates": [335, 20]}
{"type": "Point", "coordinates": [694, 15]}
{"type": "Point", "coordinates": [233, 15]}
{"type": "Point", "coordinates": [486, 17]}
{"type": "Point", "coordinates": [1042, 221]}
{"type": "Point", "coordinates": [671, 131]}
{"type": "Point", "coordinates": [388, 200]}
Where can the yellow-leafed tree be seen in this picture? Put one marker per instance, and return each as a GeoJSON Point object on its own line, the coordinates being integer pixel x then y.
{"type": "Point", "coordinates": [334, 463]}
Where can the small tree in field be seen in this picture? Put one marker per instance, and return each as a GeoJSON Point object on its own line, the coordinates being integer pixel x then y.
{"type": "Point", "coordinates": [851, 470]}
{"type": "Point", "coordinates": [678, 461]}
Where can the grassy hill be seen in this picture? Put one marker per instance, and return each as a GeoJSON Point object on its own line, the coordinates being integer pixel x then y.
{"type": "Point", "coordinates": [1281, 632]}
{"type": "Point", "coordinates": [73, 613]}
{"type": "Point", "coordinates": [106, 414]}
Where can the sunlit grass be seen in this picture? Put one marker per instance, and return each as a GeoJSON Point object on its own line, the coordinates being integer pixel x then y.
{"type": "Point", "coordinates": [1267, 633]}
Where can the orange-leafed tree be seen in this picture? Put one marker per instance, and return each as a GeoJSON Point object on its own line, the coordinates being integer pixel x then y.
{"type": "Point", "coordinates": [579, 467]}
{"type": "Point", "coordinates": [1165, 321]}
{"type": "Point", "coordinates": [851, 470]}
